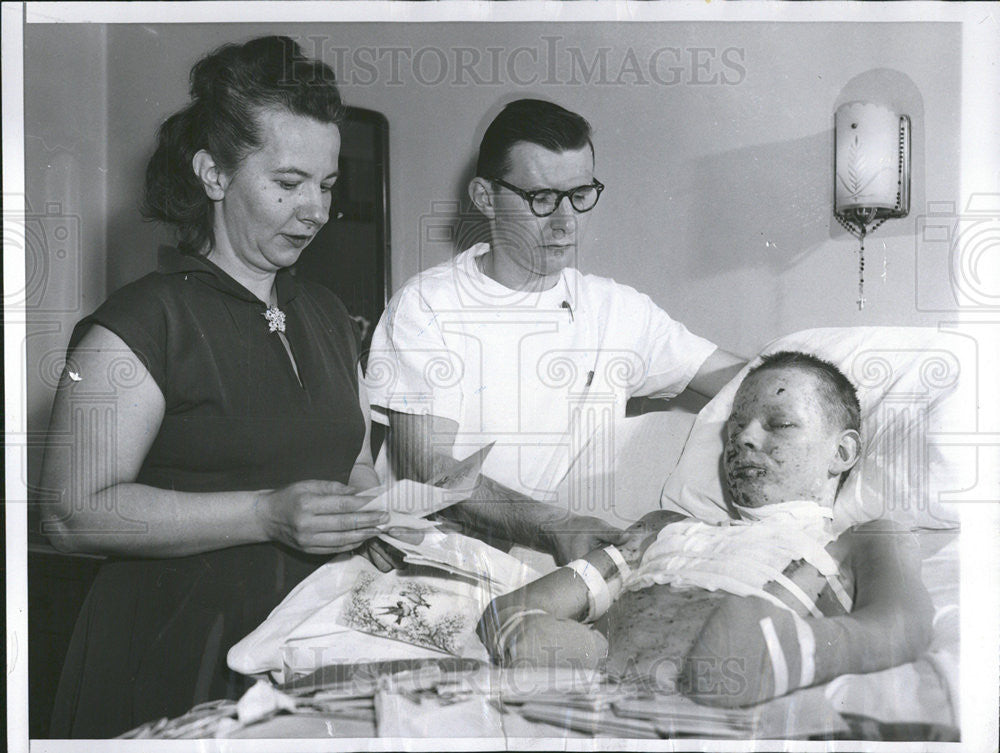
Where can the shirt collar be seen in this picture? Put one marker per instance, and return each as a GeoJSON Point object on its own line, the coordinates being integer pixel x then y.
{"type": "Point", "coordinates": [172, 261]}
{"type": "Point", "coordinates": [569, 276]}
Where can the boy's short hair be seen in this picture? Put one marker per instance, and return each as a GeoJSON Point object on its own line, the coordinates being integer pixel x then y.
{"type": "Point", "coordinates": [840, 396]}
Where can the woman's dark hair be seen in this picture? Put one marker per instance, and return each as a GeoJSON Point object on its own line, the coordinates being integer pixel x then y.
{"type": "Point", "coordinates": [535, 121]}
{"type": "Point", "coordinates": [229, 87]}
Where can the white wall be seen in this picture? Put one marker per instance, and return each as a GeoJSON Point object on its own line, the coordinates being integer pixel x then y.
{"type": "Point", "coordinates": [719, 199]}
{"type": "Point", "coordinates": [719, 196]}
{"type": "Point", "coordinates": [66, 162]}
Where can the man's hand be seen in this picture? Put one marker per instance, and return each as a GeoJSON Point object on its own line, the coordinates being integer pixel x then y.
{"type": "Point", "coordinates": [573, 537]}
{"type": "Point", "coordinates": [641, 534]}
{"type": "Point", "coordinates": [419, 449]}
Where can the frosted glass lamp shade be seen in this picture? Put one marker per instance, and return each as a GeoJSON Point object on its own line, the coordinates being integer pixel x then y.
{"type": "Point", "coordinates": [872, 156]}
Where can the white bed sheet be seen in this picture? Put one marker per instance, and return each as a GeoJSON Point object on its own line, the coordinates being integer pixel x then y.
{"type": "Point", "coordinates": [303, 632]}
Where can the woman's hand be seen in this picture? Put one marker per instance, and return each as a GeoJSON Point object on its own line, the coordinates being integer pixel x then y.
{"type": "Point", "coordinates": [318, 517]}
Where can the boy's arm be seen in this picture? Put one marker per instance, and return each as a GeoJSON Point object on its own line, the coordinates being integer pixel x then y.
{"type": "Point", "coordinates": [751, 650]}
{"type": "Point", "coordinates": [563, 594]}
{"type": "Point", "coordinates": [890, 622]}
{"type": "Point", "coordinates": [540, 623]}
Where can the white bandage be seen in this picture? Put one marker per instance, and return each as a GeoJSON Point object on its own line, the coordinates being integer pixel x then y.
{"type": "Point", "coordinates": [598, 593]}
{"type": "Point", "coordinates": [623, 569]}
{"type": "Point", "coordinates": [792, 588]}
{"type": "Point", "coordinates": [807, 647]}
{"type": "Point", "coordinates": [503, 634]}
{"type": "Point", "coordinates": [778, 663]}
{"type": "Point", "coordinates": [841, 593]}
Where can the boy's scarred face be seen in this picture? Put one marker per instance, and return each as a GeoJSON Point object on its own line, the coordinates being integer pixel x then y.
{"type": "Point", "coordinates": [780, 443]}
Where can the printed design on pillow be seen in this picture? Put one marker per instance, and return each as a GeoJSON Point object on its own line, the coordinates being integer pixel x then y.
{"type": "Point", "coordinates": [407, 610]}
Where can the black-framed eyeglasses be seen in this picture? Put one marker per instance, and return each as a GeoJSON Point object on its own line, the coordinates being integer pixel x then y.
{"type": "Point", "coordinates": [545, 201]}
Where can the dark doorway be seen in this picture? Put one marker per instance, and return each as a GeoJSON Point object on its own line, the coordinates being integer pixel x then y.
{"type": "Point", "coordinates": [350, 255]}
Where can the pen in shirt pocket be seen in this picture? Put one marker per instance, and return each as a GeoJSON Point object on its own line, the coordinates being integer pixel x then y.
{"type": "Point", "coordinates": [565, 305]}
{"type": "Point", "coordinates": [590, 374]}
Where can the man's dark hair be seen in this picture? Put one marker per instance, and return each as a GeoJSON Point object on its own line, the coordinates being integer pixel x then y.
{"type": "Point", "coordinates": [839, 395]}
{"type": "Point", "coordinates": [535, 121]}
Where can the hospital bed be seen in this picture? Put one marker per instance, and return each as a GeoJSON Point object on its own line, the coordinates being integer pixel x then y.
{"type": "Point", "coordinates": [915, 393]}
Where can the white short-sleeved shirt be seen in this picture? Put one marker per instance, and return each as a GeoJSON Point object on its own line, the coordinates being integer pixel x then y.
{"type": "Point", "coordinates": [536, 372]}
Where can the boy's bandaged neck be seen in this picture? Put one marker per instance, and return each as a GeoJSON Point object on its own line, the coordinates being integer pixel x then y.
{"type": "Point", "coordinates": [742, 556]}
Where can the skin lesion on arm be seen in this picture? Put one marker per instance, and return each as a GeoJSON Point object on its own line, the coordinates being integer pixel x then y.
{"type": "Point", "coordinates": [890, 622]}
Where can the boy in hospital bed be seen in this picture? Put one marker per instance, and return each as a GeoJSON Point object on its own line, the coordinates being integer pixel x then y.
{"type": "Point", "coordinates": [736, 614]}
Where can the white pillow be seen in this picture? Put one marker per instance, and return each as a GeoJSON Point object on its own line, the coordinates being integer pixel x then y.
{"type": "Point", "coordinates": [903, 376]}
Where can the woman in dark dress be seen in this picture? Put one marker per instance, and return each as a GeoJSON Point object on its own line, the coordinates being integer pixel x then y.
{"type": "Point", "coordinates": [208, 432]}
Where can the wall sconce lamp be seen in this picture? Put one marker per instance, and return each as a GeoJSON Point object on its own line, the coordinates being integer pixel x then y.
{"type": "Point", "coordinates": [872, 172]}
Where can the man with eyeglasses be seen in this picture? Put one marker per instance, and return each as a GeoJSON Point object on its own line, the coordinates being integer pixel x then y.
{"type": "Point", "coordinates": [509, 343]}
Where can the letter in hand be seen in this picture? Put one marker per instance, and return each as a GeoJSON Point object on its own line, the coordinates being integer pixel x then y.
{"type": "Point", "coordinates": [317, 517]}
